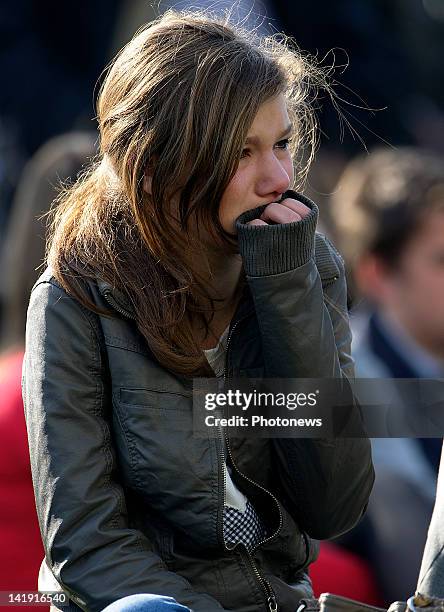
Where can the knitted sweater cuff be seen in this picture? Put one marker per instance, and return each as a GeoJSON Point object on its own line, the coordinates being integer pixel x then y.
{"type": "Point", "coordinates": [274, 249]}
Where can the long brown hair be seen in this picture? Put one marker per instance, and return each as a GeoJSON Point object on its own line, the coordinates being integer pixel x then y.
{"type": "Point", "coordinates": [177, 101]}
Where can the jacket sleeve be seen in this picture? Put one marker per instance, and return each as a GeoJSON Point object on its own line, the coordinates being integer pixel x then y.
{"type": "Point", "coordinates": [324, 483]}
{"type": "Point", "coordinates": [89, 547]}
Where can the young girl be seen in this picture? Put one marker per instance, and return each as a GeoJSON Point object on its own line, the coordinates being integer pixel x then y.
{"type": "Point", "coordinates": [183, 252]}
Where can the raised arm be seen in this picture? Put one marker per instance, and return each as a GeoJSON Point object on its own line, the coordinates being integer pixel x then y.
{"type": "Point", "coordinates": [305, 334]}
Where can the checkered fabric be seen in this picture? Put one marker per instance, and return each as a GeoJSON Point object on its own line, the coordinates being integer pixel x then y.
{"type": "Point", "coordinates": [243, 527]}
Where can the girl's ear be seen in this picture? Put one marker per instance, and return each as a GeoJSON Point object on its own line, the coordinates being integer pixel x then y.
{"type": "Point", "coordinates": [147, 180]}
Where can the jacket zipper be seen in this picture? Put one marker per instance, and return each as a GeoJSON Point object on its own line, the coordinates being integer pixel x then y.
{"type": "Point", "coordinates": [221, 440]}
{"type": "Point", "coordinates": [112, 302]}
{"type": "Point", "coordinates": [271, 599]}
{"type": "Point", "coordinates": [266, 586]}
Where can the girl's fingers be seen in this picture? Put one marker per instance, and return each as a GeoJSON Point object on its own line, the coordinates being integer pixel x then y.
{"type": "Point", "coordinates": [287, 211]}
{"type": "Point", "coordinates": [278, 213]}
{"type": "Point", "coordinates": [296, 206]}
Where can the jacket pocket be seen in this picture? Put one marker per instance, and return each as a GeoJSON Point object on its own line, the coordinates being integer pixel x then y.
{"type": "Point", "coordinates": [156, 398]}
{"type": "Point", "coordinates": [173, 471]}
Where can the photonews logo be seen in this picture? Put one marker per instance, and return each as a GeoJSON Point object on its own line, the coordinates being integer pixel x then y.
{"type": "Point", "coordinates": [255, 399]}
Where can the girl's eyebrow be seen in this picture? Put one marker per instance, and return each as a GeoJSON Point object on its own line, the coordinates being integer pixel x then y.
{"type": "Point", "coordinates": [255, 139]}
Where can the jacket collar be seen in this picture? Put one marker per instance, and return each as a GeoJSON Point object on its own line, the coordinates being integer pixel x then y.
{"type": "Point", "coordinates": [120, 302]}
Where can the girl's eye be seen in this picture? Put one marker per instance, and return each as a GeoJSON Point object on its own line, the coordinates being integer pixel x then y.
{"type": "Point", "coordinates": [283, 144]}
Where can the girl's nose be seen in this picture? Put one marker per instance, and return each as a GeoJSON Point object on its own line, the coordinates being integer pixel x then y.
{"type": "Point", "coordinates": [273, 177]}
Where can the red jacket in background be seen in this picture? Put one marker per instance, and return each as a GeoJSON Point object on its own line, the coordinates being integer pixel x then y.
{"type": "Point", "coordinates": [21, 550]}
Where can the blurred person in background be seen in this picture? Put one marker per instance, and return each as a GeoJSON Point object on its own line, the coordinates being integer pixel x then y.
{"type": "Point", "coordinates": [21, 257]}
{"type": "Point", "coordinates": [22, 252]}
{"type": "Point", "coordinates": [389, 213]}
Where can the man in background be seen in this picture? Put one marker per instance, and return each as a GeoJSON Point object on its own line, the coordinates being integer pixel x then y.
{"type": "Point", "coordinates": [389, 212]}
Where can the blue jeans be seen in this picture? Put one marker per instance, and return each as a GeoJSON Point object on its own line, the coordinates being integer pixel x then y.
{"type": "Point", "coordinates": [142, 602]}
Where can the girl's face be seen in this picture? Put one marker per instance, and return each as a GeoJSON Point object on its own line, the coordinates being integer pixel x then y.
{"type": "Point", "coordinates": [265, 170]}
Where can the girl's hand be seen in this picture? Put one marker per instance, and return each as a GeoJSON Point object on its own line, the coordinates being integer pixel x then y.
{"type": "Point", "coordinates": [287, 211]}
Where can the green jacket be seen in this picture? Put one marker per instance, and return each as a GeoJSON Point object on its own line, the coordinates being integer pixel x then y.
{"type": "Point", "coordinates": [128, 500]}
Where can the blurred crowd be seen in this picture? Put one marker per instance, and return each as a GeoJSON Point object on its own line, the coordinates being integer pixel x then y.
{"type": "Point", "coordinates": [378, 179]}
